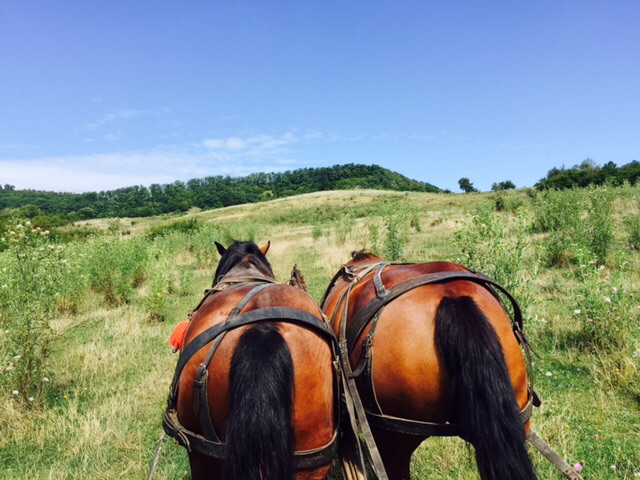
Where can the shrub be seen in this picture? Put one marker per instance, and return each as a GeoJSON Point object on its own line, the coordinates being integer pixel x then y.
{"type": "Point", "coordinates": [316, 232]}
{"type": "Point", "coordinates": [115, 267]}
{"type": "Point", "coordinates": [599, 223]}
{"type": "Point", "coordinates": [498, 246]}
{"type": "Point", "coordinates": [605, 308]}
{"type": "Point", "coordinates": [32, 272]}
{"type": "Point", "coordinates": [187, 226]}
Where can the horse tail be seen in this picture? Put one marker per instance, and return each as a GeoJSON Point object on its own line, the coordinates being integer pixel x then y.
{"type": "Point", "coordinates": [259, 433]}
{"type": "Point", "coordinates": [483, 399]}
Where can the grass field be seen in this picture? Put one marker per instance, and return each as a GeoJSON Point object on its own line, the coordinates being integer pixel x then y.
{"type": "Point", "coordinates": [97, 312]}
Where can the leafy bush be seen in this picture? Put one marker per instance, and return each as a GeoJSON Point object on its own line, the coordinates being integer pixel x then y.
{"type": "Point", "coordinates": [498, 246]}
{"type": "Point", "coordinates": [599, 223]}
{"type": "Point", "coordinates": [115, 267]}
{"type": "Point", "coordinates": [190, 225]}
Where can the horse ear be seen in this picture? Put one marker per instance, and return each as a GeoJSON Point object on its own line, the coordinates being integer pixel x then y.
{"type": "Point", "coordinates": [265, 248]}
{"type": "Point", "coordinates": [220, 248]}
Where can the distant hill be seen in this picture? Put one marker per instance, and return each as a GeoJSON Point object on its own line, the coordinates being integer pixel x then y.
{"type": "Point", "coordinates": [205, 193]}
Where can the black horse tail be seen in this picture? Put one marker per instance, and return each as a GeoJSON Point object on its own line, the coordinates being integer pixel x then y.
{"type": "Point", "coordinates": [483, 399]}
{"type": "Point", "coordinates": [259, 432]}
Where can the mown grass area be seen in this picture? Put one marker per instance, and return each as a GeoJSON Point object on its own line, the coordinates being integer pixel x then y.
{"type": "Point", "coordinates": [85, 317]}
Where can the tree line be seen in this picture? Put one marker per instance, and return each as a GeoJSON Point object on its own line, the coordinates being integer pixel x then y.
{"type": "Point", "coordinates": [204, 193]}
{"type": "Point", "coordinates": [589, 173]}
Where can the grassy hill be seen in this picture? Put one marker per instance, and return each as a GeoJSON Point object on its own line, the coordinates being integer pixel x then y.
{"type": "Point", "coordinates": [99, 307]}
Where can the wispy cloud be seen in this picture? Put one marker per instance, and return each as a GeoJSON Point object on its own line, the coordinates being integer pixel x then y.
{"type": "Point", "coordinates": [251, 145]}
{"type": "Point", "coordinates": [120, 115]}
{"type": "Point", "coordinates": [108, 171]}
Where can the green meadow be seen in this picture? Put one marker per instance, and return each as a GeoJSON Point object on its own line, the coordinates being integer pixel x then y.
{"type": "Point", "coordinates": [86, 311]}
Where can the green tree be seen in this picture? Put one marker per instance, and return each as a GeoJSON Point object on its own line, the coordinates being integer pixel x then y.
{"type": "Point", "coordinates": [466, 185]}
{"type": "Point", "coordinates": [506, 185]}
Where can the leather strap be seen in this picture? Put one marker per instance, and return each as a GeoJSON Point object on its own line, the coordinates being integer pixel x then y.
{"type": "Point", "coordinates": [429, 429]}
{"type": "Point", "coordinates": [304, 459]}
{"type": "Point", "coordinates": [363, 316]}
{"type": "Point", "coordinates": [275, 314]}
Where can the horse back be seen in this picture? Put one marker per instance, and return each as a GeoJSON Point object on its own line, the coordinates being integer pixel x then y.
{"type": "Point", "coordinates": [311, 355]}
{"type": "Point", "coordinates": [407, 372]}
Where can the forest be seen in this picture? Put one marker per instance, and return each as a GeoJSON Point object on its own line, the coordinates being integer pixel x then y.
{"type": "Point", "coordinates": [205, 193]}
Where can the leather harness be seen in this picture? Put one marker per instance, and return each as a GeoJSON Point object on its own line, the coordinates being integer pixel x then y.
{"type": "Point", "coordinates": [209, 443]}
{"type": "Point", "coordinates": [370, 314]}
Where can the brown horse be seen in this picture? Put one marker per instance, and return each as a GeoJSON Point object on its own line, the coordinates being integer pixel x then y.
{"type": "Point", "coordinates": [433, 353]}
{"type": "Point", "coordinates": [254, 390]}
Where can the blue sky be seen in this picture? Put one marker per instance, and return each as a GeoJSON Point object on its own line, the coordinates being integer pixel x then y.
{"type": "Point", "coordinates": [101, 95]}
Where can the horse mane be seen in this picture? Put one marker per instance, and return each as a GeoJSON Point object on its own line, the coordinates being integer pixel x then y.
{"type": "Point", "coordinates": [234, 255]}
{"type": "Point", "coordinates": [361, 255]}
{"type": "Point", "coordinates": [297, 279]}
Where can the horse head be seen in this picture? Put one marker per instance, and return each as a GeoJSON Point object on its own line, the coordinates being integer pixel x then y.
{"type": "Point", "coordinates": [244, 254]}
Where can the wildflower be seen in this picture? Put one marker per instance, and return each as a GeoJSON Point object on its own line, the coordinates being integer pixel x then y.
{"type": "Point", "coordinates": [614, 290]}
{"type": "Point", "coordinates": [577, 311]}
{"type": "Point", "coordinates": [548, 374]}
{"type": "Point", "coordinates": [17, 357]}
{"type": "Point", "coordinates": [45, 379]}
{"type": "Point", "coordinates": [31, 399]}
{"type": "Point", "coordinates": [602, 267]}
{"type": "Point", "coordinates": [577, 467]}
{"type": "Point", "coordinates": [582, 300]}
{"type": "Point", "coordinates": [15, 393]}
{"type": "Point", "coordinates": [607, 299]}
{"type": "Point", "coordinates": [614, 467]}
{"type": "Point", "coordinates": [597, 437]}
{"type": "Point", "coordinates": [591, 320]}
{"type": "Point", "coordinates": [5, 286]}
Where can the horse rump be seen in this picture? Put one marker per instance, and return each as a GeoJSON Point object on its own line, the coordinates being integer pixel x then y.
{"type": "Point", "coordinates": [259, 431]}
{"type": "Point", "coordinates": [483, 398]}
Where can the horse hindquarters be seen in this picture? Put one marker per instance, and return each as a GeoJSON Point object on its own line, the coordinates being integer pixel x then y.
{"type": "Point", "coordinates": [483, 399]}
{"type": "Point", "coordinates": [259, 431]}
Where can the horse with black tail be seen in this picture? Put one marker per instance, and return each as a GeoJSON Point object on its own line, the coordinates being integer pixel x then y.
{"type": "Point", "coordinates": [253, 395]}
{"type": "Point", "coordinates": [433, 353]}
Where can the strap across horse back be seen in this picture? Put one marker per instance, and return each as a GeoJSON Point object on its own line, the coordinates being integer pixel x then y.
{"type": "Point", "coordinates": [210, 444]}
{"type": "Point", "coordinates": [371, 312]}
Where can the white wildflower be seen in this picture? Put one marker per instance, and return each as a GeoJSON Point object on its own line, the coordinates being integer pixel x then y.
{"type": "Point", "coordinates": [577, 311]}
{"type": "Point", "coordinates": [15, 393]}
{"type": "Point", "coordinates": [548, 374]}
{"type": "Point", "coordinates": [607, 299]}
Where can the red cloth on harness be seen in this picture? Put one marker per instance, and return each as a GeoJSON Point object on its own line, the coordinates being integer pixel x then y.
{"type": "Point", "coordinates": [177, 337]}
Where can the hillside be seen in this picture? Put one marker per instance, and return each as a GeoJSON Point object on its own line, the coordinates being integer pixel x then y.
{"type": "Point", "coordinates": [205, 193]}
{"type": "Point", "coordinates": [95, 312]}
